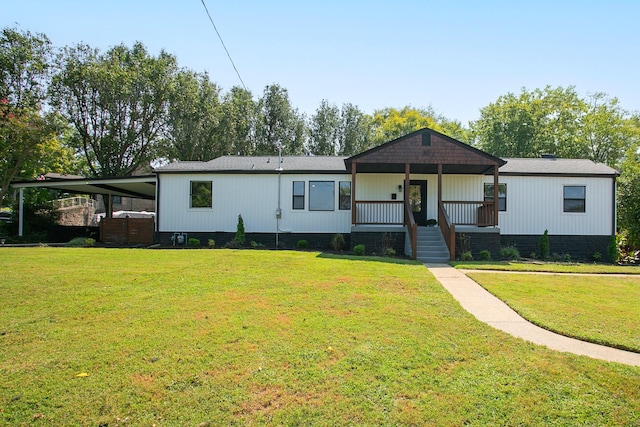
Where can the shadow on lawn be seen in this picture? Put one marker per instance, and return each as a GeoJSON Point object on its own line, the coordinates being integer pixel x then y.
{"type": "Point", "coordinates": [387, 260]}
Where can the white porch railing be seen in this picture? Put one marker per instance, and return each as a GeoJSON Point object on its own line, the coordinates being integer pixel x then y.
{"type": "Point", "coordinates": [379, 212]}
{"type": "Point", "coordinates": [70, 202]}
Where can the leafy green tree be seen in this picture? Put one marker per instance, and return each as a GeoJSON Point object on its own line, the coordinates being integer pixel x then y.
{"type": "Point", "coordinates": [355, 131]}
{"type": "Point", "coordinates": [278, 124]}
{"type": "Point", "coordinates": [555, 121]}
{"type": "Point", "coordinates": [389, 123]}
{"type": "Point", "coordinates": [193, 118]}
{"type": "Point", "coordinates": [30, 143]}
{"type": "Point", "coordinates": [324, 130]}
{"type": "Point", "coordinates": [629, 197]}
{"type": "Point", "coordinates": [118, 103]}
{"type": "Point", "coordinates": [237, 122]}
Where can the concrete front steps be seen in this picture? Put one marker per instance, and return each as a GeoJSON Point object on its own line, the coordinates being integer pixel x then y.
{"type": "Point", "coordinates": [431, 247]}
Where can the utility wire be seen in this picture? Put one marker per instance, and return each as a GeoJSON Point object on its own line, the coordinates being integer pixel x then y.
{"type": "Point", "coordinates": [222, 42]}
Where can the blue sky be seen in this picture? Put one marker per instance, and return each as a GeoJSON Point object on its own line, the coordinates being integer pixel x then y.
{"type": "Point", "coordinates": [456, 56]}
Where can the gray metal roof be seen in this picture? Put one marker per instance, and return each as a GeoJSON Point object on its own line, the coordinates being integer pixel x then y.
{"type": "Point", "coordinates": [553, 166]}
{"type": "Point", "coordinates": [323, 164]}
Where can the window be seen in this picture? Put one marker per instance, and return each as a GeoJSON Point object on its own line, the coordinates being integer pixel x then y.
{"type": "Point", "coordinates": [117, 200]}
{"type": "Point", "coordinates": [344, 194]}
{"type": "Point", "coordinates": [321, 195]}
{"type": "Point", "coordinates": [298, 194]}
{"type": "Point", "coordinates": [502, 195]}
{"type": "Point", "coordinates": [574, 198]}
{"type": "Point", "coordinates": [201, 194]}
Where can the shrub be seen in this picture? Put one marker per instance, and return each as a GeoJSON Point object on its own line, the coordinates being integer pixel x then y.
{"type": "Point", "coordinates": [232, 244]}
{"type": "Point", "coordinates": [256, 245]}
{"type": "Point", "coordinates": [211, 243]}
{"type": "Point", "coordinates": [193, 242]}
{"type": "Point", "coordinates": [337, 242]}
{"type": "Point", "coordinates": [596, 256]}
{"type": "Point", "coordinates": [240, 236]}
{"type": "Point", "coordinates": [566, 257]}
{"type": "Point", "coordinates": [544, 245]}
{"type": "Point", "coordinates": [81, 242]}
{"type": "Point", "coordinates": [484, 255]}
{"type": "Point", "coordinates": [358, 250]}
{"type": "Point", "coordinates": [510, 252]}
{"type": "Point", "coordinates": [302, 244]}
{"type": "Point", "coordinates": [466, 256]}
{"type": "Point", "coordinates": [389, 252]}
{"type": "Point", "coordinates": [533, 255]}
{"type": "Point", "coordinates": [613, 250]}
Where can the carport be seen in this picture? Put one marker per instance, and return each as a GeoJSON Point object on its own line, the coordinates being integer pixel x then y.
{"type": "Point", "coordinates": [143, 187]}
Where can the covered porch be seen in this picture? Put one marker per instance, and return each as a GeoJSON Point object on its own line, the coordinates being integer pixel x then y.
{"type": "Point", "coordinates": [421, 179]}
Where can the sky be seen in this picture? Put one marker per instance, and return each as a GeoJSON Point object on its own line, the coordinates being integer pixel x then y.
{"type": "Point", "coordinates": [452, 55]}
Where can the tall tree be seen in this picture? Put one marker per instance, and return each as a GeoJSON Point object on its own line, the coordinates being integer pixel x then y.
{"type": "Point", "coordinates": [193, 118]}
{"type": "Point", "coordinates": [238, 122]}
{"type": "Point", "coordinates": [556, 121]}
{"type": "Point", "coordinates": [117, 102]}
{"type": "Point", "coordinates": [324, 130]}
{"type": "Point", "coordinates": [24, 133]}
{"type": "Point", "coordinates": [389, 123]}
{"type": "Point", "coordinates": [279, 125]}
{"type": "Point", "coordinates": [355, 131]}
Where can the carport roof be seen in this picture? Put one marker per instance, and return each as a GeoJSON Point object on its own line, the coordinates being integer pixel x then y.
{"type": "Point", "coordinates": [143, 187]}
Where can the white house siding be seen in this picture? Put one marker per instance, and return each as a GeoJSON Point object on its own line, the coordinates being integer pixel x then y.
{"type": "Point", "coordinates": [535, 204]}
{"type": "Point", "coordinates": [254, 196]}
{"type": "Point", "coordinates": [454, 187]}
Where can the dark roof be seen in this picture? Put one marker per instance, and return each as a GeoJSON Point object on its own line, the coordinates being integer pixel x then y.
{"type": "Point", "coordinates": [261, 164]}
{"type": "Point", "coordinates": [553, 166]}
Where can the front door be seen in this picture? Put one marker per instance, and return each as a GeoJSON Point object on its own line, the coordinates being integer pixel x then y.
{"type": "Point", "coordinates": [418, 201]}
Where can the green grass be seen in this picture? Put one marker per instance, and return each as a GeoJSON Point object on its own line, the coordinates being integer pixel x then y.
{"type": "Point", "coordinates": [548, 267]}
{"type": "Point", "coordinates": [600, 309]}
{"type": "Point", "coordinates": [227, 337]}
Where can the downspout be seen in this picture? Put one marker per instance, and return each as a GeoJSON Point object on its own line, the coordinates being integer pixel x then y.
{"type": "Point", "coordinates": [279, 209]}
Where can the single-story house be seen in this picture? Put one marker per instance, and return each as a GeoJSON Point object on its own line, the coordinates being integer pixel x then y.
{"type": "Point", "coordinates": [392, 195]}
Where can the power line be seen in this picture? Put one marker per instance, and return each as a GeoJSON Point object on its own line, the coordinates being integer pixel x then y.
{"type": "Point", "coordinates": [222, 42]}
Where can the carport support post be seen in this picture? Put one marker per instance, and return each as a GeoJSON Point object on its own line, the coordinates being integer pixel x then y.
{"type": "Point", "coordinates": [20, 212]}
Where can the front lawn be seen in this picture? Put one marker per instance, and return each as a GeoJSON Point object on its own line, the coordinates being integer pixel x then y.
{"type": "Point", "coordinates": [548, 267]}
{"type": "Point", "coordinates": [600, 309]}
{"type": "Point", "coordinates": [225, 337]}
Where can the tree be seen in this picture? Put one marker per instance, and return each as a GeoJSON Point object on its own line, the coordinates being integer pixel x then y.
{"type": "Point", "coordinates": [278, 124]}
{"type": "Point", "coordinates": [629, 196]}
{"type": "Point", "coordinates": [355, 131]}
{"type": "Point", "coordinates": [117, 102]}
{"type": "Point", "coordinates": [389, 123]}
{"type": "Point", "coordinates": [555, 121]}
{"type": "Point", "coordinates": [25, 135]}
{"type": "Point", "coordinates": [193, 118]}
{"type": "Point", "coordinates": [324, 130]}
{"type": "Point", "coordinates": [238, 122]}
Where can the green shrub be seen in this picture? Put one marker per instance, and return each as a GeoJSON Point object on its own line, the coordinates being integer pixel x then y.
{"type": "Point", "coordinates": [613, 249]}
{"type": "Point", "coordinates": [358, 250]}
{"type": "Point", "coordinates": [240, 236]}
{"type": "Point", "coordinates": [510, 253]}
{"type": "Point", "coordinates": [232, 244]}
{"type": "Point", "coordinates": [566, 257]}
{"type": "Point", "coordinates": [545, 249]}
{"type": "Point", "coordinates": [211, 243]}
{"type": "Point", "coordinates": [81, 242]}
{"type": "Point", "coordinates": [256, 245]}
{"type": "Point", "coordinates": [484, 255]}
{"type": "Point", "coordinates": [389, 252]}
{"type": "Point", "coordinates": [596, 256]}
{"type": "Point", "coordinates": [193, 242]}
{"type": "Point", "coordinates": [466, 256]}
{"type": "Point", "coordinates": [533, 255]}
{"type": "Point", "coordinates": [337, 242]}
{"type": "Point", "coordinates": [302, 244]}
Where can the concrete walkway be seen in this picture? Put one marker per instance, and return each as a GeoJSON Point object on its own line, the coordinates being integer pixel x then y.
{"type": "Point", "coordinates": [489, 309]}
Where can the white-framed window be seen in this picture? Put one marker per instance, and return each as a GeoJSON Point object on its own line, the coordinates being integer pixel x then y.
{"type": "Point", "coordinates": [201, 195]}
{"type": "Point", "coordinates": [574, 198]}
{"type": "Point", "coordinates": [344, 195]}
{"type": "Point", "coordinates": [321, 195]}
{"type": "Point", "coordinates": [502, 195]}
{"type": "Point", "coordinates": [298, 195]}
